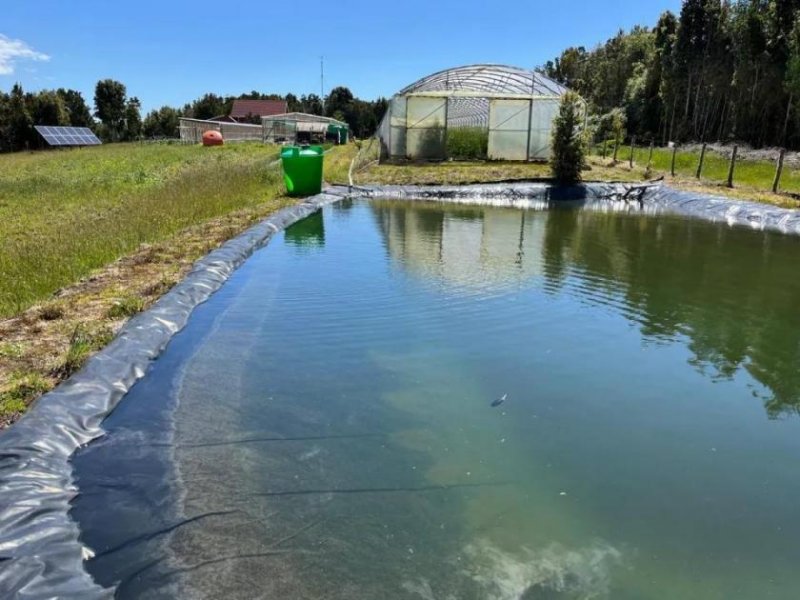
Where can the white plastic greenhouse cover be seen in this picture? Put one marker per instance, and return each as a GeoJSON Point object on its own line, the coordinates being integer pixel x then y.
{"type": "Point", "coordinates": [515, 106]}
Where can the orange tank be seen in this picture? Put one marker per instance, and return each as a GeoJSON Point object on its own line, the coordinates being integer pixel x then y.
{"type": "Point", "coordinates": [212, 138]}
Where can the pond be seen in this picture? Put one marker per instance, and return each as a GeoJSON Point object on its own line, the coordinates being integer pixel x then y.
{"type": "Point", "coordinates": [430, 401]}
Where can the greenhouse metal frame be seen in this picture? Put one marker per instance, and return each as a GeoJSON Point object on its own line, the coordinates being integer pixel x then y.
{"type": "Point", "coordinates": [508, 110]}
{"type": "Point", "coordinates": [286, 127]}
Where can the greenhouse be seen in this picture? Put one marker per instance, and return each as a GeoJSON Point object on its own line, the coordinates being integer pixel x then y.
{"type": "Point", "coordinates": [303, 128]}
{"type": "Point", "coordinates": [475, 112]}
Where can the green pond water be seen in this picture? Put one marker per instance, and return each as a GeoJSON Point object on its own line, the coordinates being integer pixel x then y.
{"type": "Point", "coordinates": [324, 426]}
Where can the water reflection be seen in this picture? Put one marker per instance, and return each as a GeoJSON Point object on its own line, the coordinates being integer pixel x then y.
{"type": "Point", "coordinates": [308, 232]}
{"type": "Point", "coordinates": [733, 293]}
{"type": "Point", "coordinates": [471, 249]}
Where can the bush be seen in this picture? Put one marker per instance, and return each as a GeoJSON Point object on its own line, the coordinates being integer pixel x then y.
{"type": "Point", "coordinates": [467, 143]}
{"type": "Point", "coordinates": [568, 157]}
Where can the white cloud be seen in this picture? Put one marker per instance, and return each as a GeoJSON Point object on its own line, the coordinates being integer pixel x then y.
{"type": "Point", "coordinates": [12, 51]}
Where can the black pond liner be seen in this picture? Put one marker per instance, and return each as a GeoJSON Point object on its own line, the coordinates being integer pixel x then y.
{"type": "Point", "coordinates": [40, 551]}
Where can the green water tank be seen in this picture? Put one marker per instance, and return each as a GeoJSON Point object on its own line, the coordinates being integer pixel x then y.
{"type": "Point", "coordinates": [302, 169]}
{"type": "Point", "coordinates": [337, 133]}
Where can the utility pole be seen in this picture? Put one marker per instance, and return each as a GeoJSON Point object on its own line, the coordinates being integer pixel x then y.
{"type": "Point", "coordinates": [322, 81]}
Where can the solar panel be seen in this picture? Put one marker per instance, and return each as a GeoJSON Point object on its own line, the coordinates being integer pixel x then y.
{"type": "Point", "coordinates": [68, 136]}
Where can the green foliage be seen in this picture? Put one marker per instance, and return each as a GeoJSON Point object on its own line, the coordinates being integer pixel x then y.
{"type": "Point", "coordinates": [567, 159]}
{"type": "Point", "coordinates": [47, 108]}
{"type": "Point", "coordinates": [19, 125]}
{"type": "Point", "coordinates": [77, 110]}
{"type": "Point", "coordinates": [717, 71]}
{"type": "Point", "coordinates": [133, 119]}
{"type": "Point", "coordinates": [109, 104]}
{"type": "Point", "coordinates": [363, 117]}
{"type": "Point", "coordinates": [162, 123]}
{"type": "Point", "coordinates": [467, 143]}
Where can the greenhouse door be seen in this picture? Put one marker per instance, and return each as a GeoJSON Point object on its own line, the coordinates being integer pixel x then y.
{"type": "Point", "coordinates": [509, 121]}
{"type": "Point", "coordinates": [425, 133]}
{"type": "Point", "coordinates": [544, 112]}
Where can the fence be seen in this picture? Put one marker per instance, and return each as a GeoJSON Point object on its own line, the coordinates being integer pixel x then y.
{"type": "Point", "coordinates": [192, 130]}
{"type": "Point", "coordinates": [731, 168]}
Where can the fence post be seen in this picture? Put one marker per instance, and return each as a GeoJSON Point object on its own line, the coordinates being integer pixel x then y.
{"type": "Point", "coordinates": [732, 167]}
{"type": "Point", "coordinates": [650, 156]}
{"type": "Point", "coordinates": [702, 158]}
{"type": "Point", "coordinates": [633, 145]}
{"type": "Point", "coordinates": [778, 172]}
{"type": "Point", "coordinates": [674, 152]}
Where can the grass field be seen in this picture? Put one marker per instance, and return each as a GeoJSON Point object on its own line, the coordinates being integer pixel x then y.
{"type": "Point", "coordinates": [64, 213]}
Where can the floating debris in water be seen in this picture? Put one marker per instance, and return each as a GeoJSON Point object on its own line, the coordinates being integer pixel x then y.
{"type": "Point", "coordinates": [499, 401]}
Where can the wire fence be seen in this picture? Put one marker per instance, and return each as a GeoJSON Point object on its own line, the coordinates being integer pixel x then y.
{"type": "Point", "coordinates": [730, 168]}
{"type": "Point", "coordinates": [368, 154]}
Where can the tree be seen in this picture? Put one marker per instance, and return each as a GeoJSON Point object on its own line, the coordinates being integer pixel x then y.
{"type": "Point", "coordinates": [293, 104]}
{"type": "Point", "coordinates": [20, 124]}
{"type": "Point", "coordinates": [109, 104]}
{"type": "Point", "coordinates": [339, 100]}
{"type": "Point", "coordinates": [792, 78]}
{"type": "Point", "coordinates": [47, 108]}
{"type": "Point", "coordinates": [162, 123]}
{"type": "Point", "coordinates": [78, 111]}
{"type": "Point", "coordinates": [133, 119]}
{"type": "Point", "coordinates": [312, 104]}
{"type": "Point", "coordinates": [210, 106]}
{"type": "Point", "coordinates": [568, 156]}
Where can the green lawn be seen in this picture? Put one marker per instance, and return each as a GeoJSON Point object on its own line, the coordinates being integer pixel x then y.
{"type": "Point", "coordinates": [64, 213]}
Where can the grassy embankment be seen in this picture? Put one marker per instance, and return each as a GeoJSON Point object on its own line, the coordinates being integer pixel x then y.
{"type": "Point", "coordinates": [90, 237]}
{"type": "Point", "coordinates": [753, 179]}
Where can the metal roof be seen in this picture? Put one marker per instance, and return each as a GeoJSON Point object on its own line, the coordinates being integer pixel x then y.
{"type": "Point", "coordinates": [303, 117]}
{"type": "Point", "coordinates": [488, 79]}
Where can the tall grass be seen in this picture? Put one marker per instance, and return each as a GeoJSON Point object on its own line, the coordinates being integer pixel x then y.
{"type": "Point", "coordinates": [64, 213]}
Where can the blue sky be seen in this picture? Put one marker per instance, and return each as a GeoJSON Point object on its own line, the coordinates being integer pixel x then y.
{"type": "Point", "coordinates": [170, 52]}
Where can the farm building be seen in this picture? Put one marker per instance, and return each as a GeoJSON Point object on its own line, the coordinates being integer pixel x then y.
{"type": "Point", "coordinates": [478, 111]}
{"type": "Point", "coordinates": [303, 128]}
{"type": "Point", "coordinates": [191, 130]}
{"type": "Point", "coordinates": [291, 128]}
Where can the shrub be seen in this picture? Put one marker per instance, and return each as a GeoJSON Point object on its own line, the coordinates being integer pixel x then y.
{"type": "Point", "coordinates": [568, 156]}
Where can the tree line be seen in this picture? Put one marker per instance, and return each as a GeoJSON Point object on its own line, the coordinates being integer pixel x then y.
{"type": "Point", "coordinates": [117, 117]}
{"type": "Point", "coordinates": [721, 70]}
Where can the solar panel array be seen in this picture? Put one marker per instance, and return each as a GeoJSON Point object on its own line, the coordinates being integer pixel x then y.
{"type": "Point", "coordinates": [68, 136]}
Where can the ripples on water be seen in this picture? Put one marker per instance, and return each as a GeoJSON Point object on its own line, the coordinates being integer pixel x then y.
{"type": "Point", "coordinates": [323, 428]}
